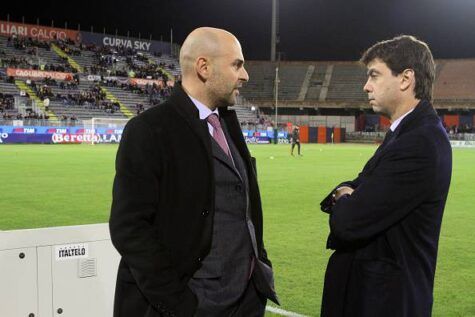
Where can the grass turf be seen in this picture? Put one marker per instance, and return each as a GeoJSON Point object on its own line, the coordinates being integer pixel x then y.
{"type": "Point", "coordinates": [57, 185]}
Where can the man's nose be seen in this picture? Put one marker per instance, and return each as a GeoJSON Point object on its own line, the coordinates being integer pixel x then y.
{"type": "Point", "coordinates": [244, 76]}
{"type": "Point", "coordinates": [367, 87]}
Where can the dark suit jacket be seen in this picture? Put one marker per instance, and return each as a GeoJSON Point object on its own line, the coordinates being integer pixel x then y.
{"type": "Point", "coordinates": [385, 235]}
{"type": "Point", "coordinates": [163, 206]}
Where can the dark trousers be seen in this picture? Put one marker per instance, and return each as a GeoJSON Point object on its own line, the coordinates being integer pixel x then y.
{"type": "Point", "coordinates": [251, 304]}
{"type": "Point", "coordinates": [298, 147]}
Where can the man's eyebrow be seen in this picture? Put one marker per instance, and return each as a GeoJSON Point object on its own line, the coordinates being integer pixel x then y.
{"type": "Point", "coordinates": [372, 71]}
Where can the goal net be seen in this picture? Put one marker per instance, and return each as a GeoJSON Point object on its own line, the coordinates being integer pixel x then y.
{"type": "Point", "coordinates": [103, 130]}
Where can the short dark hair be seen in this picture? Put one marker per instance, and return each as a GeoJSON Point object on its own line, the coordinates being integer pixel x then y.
{"type": "Point", "coordinates": [406, 52]}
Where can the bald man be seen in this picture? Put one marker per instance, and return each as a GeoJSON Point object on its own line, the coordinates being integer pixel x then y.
{"type": "Point", "coordinates": [186, 213]}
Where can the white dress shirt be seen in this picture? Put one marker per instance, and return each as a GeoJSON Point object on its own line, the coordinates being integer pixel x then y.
{"type": "Point", "coordinates": [396, 123]}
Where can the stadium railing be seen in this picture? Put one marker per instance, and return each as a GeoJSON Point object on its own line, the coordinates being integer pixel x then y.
{"type": "Point", "coordinates": [40, 122]}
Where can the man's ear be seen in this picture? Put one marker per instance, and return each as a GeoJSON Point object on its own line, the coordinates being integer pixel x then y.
{"type": "Point", "coordinates": [202, 67]}
{"type": "Point", "coordinates": [408, 79]}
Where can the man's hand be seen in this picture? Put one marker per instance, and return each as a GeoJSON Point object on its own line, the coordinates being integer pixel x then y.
{"type": "Point", "coordinates": [340, 191]}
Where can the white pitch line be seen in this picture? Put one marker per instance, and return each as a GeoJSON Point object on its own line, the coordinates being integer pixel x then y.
{"type": "Point", "coordinates": [282, 312]}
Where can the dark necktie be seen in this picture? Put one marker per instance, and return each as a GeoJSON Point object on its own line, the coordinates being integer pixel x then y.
{"type": "Point", "coordinates": [387, 137]}
{"type": "Point", "coordinates": [218, 134]}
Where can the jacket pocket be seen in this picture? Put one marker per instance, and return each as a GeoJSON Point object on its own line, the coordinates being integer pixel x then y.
{"type": "Point", "coordinates": [209, 269]}
{"type": "Point", "coordinates": [264, 281]}
{"type": "Point", "coordinates": [377, 288]}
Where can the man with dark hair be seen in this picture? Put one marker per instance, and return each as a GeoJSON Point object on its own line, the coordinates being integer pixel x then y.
{"type": "Point", "coordinates": [295, 140]}
{"type": "Point", "coordinates": [186, 213]}
{"type": "Point", "coordinates": [385, 224]}
{"type": "Point", "coordinates": [406, 52]}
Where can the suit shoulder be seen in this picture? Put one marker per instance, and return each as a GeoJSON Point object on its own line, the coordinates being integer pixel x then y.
{"type": "Point", "coordinates": [432, 131]}
{"type": "Point", "coordinates": [428, 137]}
{"type": "Point", "coordinates": [156, 114]}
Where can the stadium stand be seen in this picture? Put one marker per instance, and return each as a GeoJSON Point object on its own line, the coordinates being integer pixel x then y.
{"type": "Point", "coordinates": [347, 81]}
{"type": "Point", "coordinates": [120, 82]}
{"type": "Point", "coordinates": [262, 84]}
{"type": "Point", "coordinates": [100, 85]}
{"type": "Point", "coordinates": [456, 81]}
{"type": "Point", "coordinates": [344, 83]}
{"type": "Point", "coordinates": [310, 90]}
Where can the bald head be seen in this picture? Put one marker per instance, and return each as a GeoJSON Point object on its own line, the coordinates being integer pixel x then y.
{"type": "Point", "coordinates": [212, 67]}
{"type": "Point", "coordinates": [205, 41]}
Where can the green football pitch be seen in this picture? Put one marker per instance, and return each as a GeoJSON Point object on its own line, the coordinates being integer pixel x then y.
{"type": "Point", "coordinates": [58, 185]}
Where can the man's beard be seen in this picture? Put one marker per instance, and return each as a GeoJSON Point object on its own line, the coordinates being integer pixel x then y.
{"type": "Point", "coordinates": [225, 101]}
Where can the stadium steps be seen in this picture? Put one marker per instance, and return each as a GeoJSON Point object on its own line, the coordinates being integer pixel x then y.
{"type": "Point", "coordinates": [291, 80]}
{"type": "Point", "coordinates": [80, 112]}
{"type": "Point", "coordinates": [326, 83]}
{"type": "Point", "coordinates": [43, 56]}
{"type": "Point", "coordinates": [130, 99]}
{"type": "Point", "coordinates": [23, 86]}
{"type": "Point", "coordinates": [261, 85]}
{"type": "Point", "coordinates": [347, 83]}
{"type": "Point", "coordinates": [316, 83]}
{"type": "Point", "coordinates": [9, 88]}
{"type": "Point", "coordinates": [169, 75]}
{"type": "Point", "coordinates": [85, 60]}
{"type": "Point", "coordinates": [244, 113]}
{"type": "Point", "coordinates": [306, 83]}
{"type": "Point", "coordinates": [167, 60]}
{"type": "Point", "coordinates": [71, 61]}
{"type": "Point", "coordinates": [123, 108]}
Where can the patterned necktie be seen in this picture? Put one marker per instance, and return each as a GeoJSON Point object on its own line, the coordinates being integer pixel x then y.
{"type": "Point", "coordinates": [218, 134]}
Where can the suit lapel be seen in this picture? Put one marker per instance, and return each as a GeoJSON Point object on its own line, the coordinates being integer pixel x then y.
{"type": "Point", "coordinates": [219, 154]}
{"type": "Point", "coordinates": [423, 108]}
{"type": "Point", "coordinates": [237, 158]}
{"type": "Point", "coordinates": [235, 133]}
{"type": "Point", "coordinates": [187, 110]}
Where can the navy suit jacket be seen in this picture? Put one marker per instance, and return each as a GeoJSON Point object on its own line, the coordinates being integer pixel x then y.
{"type": "Point", "coordinates": [385, 235]}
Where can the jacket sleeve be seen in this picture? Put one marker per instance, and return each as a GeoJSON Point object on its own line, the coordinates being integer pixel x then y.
{"type": "Point", "coordinates": [327, 203]}
{"type": "Point", "coordinates": [133, 214]}
{"type": "Point", "coordinates": [402, 180]}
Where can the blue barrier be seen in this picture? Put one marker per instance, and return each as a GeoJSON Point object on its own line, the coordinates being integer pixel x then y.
{"type": "Point", "coordinates": [54, 135]}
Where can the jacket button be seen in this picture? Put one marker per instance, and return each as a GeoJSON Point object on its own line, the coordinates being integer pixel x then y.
{"type": "Point", "coordinates": [198, 259]}
{"type": "Point", "coordinates": [205, 213]}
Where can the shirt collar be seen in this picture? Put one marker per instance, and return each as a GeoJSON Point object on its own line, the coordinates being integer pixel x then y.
{"type": "Point", "coordinates": [202, 109]}
{"type": "Point", "coordinates": [395, 124]}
